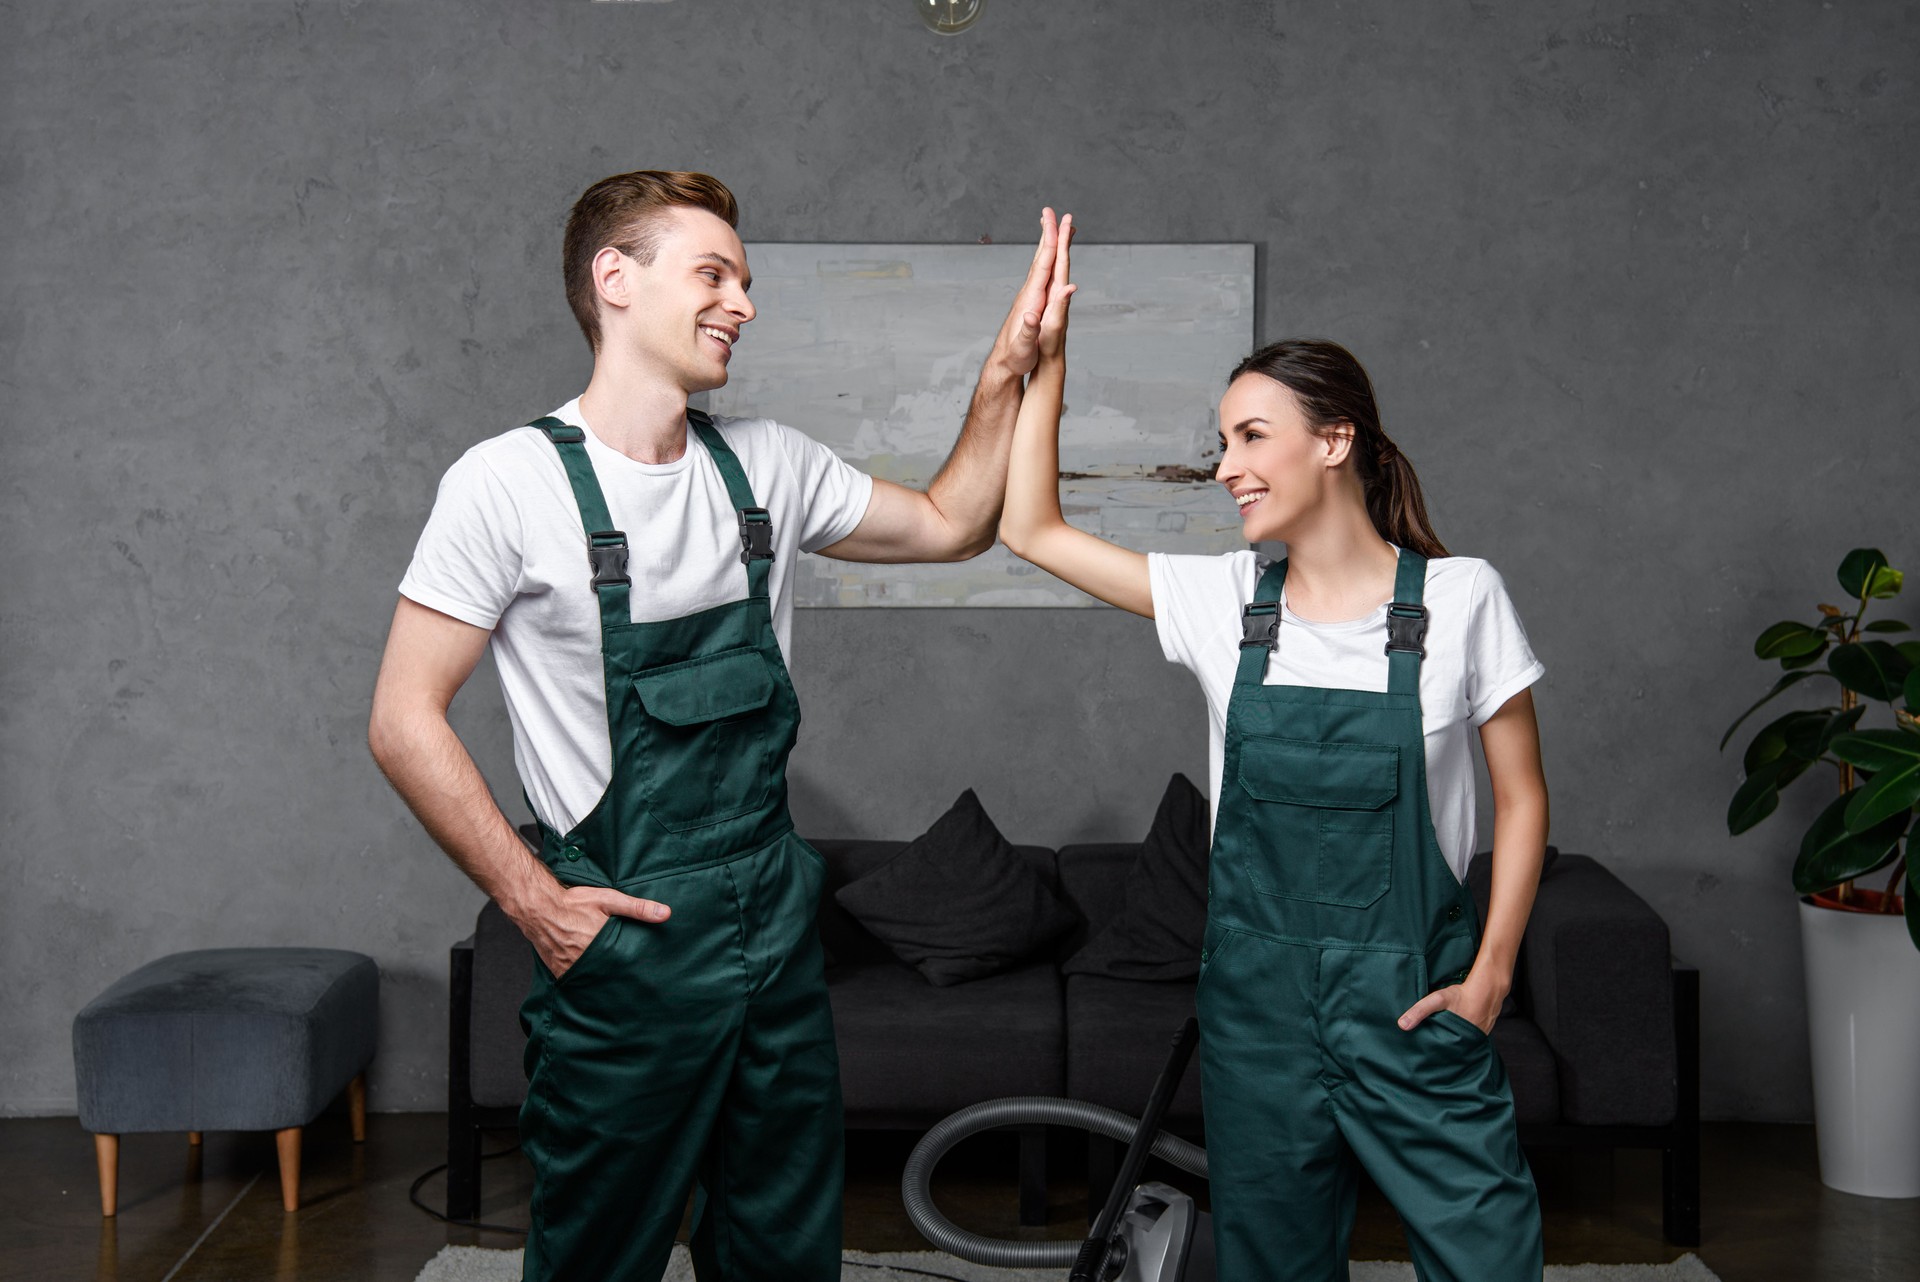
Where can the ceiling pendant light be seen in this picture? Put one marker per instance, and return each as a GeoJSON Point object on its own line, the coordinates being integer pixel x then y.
{"type": "Point", "coordinates": [949, 17]}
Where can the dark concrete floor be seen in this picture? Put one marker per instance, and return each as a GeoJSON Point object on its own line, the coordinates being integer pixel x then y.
{"type": "Point", "coordinates": [217, 1216]}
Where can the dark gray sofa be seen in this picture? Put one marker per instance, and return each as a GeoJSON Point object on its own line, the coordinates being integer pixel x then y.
{"type": "Point", "coordinates": [1601, 1038]}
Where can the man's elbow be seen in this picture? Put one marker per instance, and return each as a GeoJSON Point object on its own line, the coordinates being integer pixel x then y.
{"type": "Point", "coordinates": [386, 735]}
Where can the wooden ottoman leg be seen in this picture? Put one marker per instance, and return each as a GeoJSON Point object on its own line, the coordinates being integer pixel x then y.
{"type": "Point", "coordinates": [106, 1150]}
{"type": "Point", "coordinates": [193, 1137]}
{"type": "Point", "coordinates": [288, 1142]}
{"type": "Point", "coordinates": [357, 1105]}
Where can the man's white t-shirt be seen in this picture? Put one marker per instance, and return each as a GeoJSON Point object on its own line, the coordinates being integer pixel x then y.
{"type": "Point", "coordinates": [505, 550]}
{"type": "Point", "coordinates": [1477, 658]}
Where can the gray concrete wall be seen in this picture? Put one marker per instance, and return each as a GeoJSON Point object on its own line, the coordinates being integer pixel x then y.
{"type": "Point", "coordinates": [1639, 291]}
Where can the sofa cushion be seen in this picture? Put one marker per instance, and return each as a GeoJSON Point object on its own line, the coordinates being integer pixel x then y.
{"type": "Point", "coordinates": [911, 1053]}
{"type": "Point", "coordinates": [1119, 1034]}
{"type": "Point", "coordinates": [1156, 934]}
{"type": "Point", "coordinates": [958, 902]}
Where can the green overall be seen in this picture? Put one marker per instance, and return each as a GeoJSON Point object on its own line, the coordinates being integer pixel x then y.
{"type": "Point", "coordinates": [698, 1050]}
{"type": "Point", "coordinates": [1331, 911]}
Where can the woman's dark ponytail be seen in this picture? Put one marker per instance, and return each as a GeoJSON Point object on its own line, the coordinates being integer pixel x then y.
{"type": "Point", "coordinates": [1334, 391]}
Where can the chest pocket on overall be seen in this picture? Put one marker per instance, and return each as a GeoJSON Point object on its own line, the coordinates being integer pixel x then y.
{"type": "Point", "coordinates": [706, 748]}
{"type": "Point", "coordinates": [1327, 810]}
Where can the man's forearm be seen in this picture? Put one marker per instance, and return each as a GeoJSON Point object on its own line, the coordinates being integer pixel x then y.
{"type": "Point", "coordinates": [432, 771]}
{"type": "Point", "coordinates": [971, 485]}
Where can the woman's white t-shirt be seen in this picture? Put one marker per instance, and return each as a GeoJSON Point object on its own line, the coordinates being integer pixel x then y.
{"type": "Point", "coordinates": [505, 550]}
{"type": "Point", "coordinates": [1477, 659]}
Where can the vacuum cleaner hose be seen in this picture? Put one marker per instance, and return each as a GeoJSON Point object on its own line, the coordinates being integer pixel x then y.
{"type": "Point", "coordinates": [916, 1181]}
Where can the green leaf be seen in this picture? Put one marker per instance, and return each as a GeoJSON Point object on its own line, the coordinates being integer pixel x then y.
{"type": "Point", "coordinates": [1889, 792]}
{"type": "Point", "coordinates": [1878, 750]}
{"type": "Point", "coordinates": [1910, 651]}
{"type": "Point", "coordinates": [1789, 640]}
{"type": "Point", "coordinates": [1885, 582]}
{"type": "Point", "coordinates": [1791, 679]}
{"type": "Point", "coordinates": [1887, 625]}
{"type": "Point", "coordinates": [1805, 660]}
{"type": "Point", "coordinates": [1772, 741]}
{"type": "Point", "coordinates": [1810, 739]}
{"type": "Point", "coordinates": [1873, 668]}
{"type": "Point", "coordinates": [1912, 692]}
{"type": "Point", "coordinates": [1759, 796]}
{"type": "Point", "coordinates": [1830, 854]}
{"type": "Point", "coordinates": [1858, 568]}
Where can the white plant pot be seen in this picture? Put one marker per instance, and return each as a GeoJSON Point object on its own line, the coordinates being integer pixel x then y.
{"type": "Point", "coordinates": [1863, 1020]}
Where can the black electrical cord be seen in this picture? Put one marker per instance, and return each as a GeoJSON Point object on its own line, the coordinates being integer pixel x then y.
{"type": "Point", "coordinates": [413, 1196]}
{"type": "Point", "coordinates": [901, 1268]}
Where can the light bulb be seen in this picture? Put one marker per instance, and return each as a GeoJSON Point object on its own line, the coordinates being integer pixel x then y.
{"type": "Point", "coordinates": [949, 17]}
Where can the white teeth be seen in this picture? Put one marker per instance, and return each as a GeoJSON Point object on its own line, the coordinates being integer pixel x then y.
{"type": "Point", "coordinates": [720, 334]}
{"type": "Point", "coordinates": [1253, 497]}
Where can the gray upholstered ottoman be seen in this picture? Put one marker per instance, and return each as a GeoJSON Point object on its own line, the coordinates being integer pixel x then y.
{"type": "Point", "coordinates": [226, 1039]}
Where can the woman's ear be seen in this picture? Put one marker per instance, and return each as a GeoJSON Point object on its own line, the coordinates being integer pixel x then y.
{"type": "Point", "coordinates": [1338, 440]}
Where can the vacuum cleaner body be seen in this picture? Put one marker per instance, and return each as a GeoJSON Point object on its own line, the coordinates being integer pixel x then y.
{"type": "Point", "coordinates": [1155, 1238]}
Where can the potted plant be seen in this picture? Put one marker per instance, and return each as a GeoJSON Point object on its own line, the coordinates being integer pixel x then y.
{"type": "Point", "coordinates": [1860, 942]}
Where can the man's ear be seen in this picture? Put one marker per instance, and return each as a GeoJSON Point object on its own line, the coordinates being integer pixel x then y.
{"type": "Point", "coordinates": [612, 277]}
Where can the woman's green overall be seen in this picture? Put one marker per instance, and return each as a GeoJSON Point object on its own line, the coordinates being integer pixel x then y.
{"type": "Point", "coordinates": [1331, 911]}
{"type": "Point", "coordinates": [700, 1049]}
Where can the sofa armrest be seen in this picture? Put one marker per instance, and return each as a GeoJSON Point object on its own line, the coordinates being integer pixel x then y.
{"type": "Point", "coordinates": [1597, 981]}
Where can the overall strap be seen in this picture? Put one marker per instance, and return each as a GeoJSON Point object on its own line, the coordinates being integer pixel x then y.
{"type": "Point", "coordinates": [756, 526]}
{"type": "Point", "coordinates": [1260, 626]}
{"type": "Point", "coordinates": [606, 546]}
{"type": "Point", "coordinates": [1407, 625]}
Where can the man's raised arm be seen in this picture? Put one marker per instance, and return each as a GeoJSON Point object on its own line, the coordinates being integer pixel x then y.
{"type": "Point", "coordinates": [959, 514]}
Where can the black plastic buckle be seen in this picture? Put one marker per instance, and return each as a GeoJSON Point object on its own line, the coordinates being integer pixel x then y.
{"type": "Point", "coordinates": [1260, 625]}
{"type": "Point", "coordinates": [607, 553]}
{"type": "Point", "coordinates": [756, 535]}
{"type": "Point", "coordinates": [1407, 628]}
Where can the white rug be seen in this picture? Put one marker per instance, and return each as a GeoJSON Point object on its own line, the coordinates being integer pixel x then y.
{"type": "Point", "coordinates": [478, 1264]}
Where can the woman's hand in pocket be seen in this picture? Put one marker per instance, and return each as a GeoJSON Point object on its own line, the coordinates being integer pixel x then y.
{"type": "Point", "coordinates": [1476, 1001]}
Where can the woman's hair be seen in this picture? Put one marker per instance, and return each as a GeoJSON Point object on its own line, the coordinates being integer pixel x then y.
{"type": "Point", "coordinates": [1334, 391]}
{"type": "Point", "coordinates": [625, 211]}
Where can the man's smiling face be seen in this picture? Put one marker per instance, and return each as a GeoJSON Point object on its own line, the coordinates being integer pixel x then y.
{"type": "Point", "coordinates": [686, 308]}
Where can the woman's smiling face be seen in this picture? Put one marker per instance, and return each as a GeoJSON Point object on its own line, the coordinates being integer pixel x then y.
{"type": "Point", "coordinates": [1271, 461]}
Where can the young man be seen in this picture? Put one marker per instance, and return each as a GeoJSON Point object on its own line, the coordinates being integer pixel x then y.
{"type": "Point", "coordinates": [630, 562]}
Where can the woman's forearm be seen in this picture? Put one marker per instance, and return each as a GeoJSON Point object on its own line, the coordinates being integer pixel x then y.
{"type": "Point", "coordinates": [1033, 472]}
{"type": "Point", "coordinates": [1519, 851]}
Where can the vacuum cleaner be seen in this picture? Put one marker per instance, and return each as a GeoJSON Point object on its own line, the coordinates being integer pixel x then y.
{"type": "Point", "coordinates": [1148, 1232]}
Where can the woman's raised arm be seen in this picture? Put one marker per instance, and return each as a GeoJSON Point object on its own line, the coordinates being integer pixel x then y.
{"type": "Point", "coordinates": [1031, 524]}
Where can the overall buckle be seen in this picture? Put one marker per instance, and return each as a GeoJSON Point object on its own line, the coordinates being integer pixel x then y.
{"type": "Point", "coordinates": [607, 553]}
{"type": "Point", "coordinates": [1260, 625]}
{"type": "Point", "coordinates": [1407, 628]}
{"type": "Point", "coordinates": [756, 535]}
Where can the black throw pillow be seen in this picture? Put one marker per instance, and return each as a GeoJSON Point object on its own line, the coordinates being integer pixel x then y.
{"type": "Point", "coordinates": [959, 902]}
{"type": "Point", "coordinates": [1157, 932]}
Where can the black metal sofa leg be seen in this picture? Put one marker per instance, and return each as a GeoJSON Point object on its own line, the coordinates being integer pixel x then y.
{"type": "Point", "coordinates": [1680, 1161]}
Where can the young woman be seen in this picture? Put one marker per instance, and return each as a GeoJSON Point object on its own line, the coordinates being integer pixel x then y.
{"type": "Point", "coordinates": [1346, 989]}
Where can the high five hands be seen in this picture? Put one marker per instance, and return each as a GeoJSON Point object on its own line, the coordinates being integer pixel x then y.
{"type": "Point", "coordinates": [1020, 334]}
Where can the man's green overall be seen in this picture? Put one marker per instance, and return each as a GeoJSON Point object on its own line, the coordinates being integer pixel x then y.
{"type": "Point", "coordinates": [1331, 911]}
{"type": "Point", "coordinates": [699, 1049]}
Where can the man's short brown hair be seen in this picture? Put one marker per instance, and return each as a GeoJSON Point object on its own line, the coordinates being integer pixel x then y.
{"type": "Point", "coordinates": [624, 211]}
